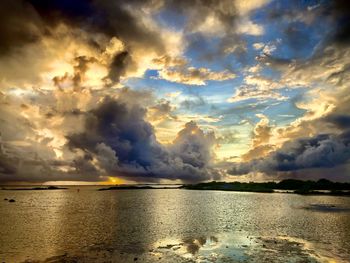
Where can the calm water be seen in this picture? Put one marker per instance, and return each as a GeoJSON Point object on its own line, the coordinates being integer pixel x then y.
{"type": "Point", "coordinates": [172, 226]}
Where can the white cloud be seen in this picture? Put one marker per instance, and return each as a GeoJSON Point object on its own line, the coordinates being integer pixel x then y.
{"type": "Point", "coordinates": [247, 27]}
{"type": "Point", "coordinates": [258, 46]}
{"type": "Point", "coordinates": [247, 6]}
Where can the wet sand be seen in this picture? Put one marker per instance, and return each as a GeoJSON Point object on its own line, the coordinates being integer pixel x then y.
{"type": "Point", "coordinates": [230, 247]}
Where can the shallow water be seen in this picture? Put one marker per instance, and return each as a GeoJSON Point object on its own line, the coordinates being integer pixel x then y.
{"type": "Point", "coordinates": [172, 225]}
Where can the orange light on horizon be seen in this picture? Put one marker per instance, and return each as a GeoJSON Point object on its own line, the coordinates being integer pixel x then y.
{"type": "Point", "coordinates": [114, 180]}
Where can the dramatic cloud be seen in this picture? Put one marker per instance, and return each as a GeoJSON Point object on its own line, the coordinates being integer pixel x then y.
{"type": "Point", "coordinates": [322, 151]}
{"type": "Point", "coordinates": [37, 33]}
{"type": "Point", "coordinates": [126, 148]}
{"type": "Point", "coordinates": [135, 89]}
{"type": "Point", "coordinates": [20, 25]}
{"type": "Point", "coordinates": [119, 66]}
{"type": "Point", "coordinates": [320, 138]}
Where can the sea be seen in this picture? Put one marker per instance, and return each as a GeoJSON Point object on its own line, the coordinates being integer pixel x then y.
{"type": "Point", "coordinates": [82, 224]}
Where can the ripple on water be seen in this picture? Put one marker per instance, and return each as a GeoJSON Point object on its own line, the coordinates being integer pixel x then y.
{"type": "Point", "coordinates": [172, 225]}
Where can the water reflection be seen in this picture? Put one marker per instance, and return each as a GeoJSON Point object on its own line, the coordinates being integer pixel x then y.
{"type": "Point", "coordinates": [194, 244]}
{"type": "Point", "coordinates": [182, 225]}
{"type": "Point", "coordinates": [213, 248]}
{"type": "Point", "coordinates": [235, 247]}
{"type": "Point", "coordinates": [108, 220]}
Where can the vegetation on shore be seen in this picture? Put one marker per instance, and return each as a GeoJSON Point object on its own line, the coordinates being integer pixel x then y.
{"type": "Point", "coordinates": [234, 186]}
{"type": "Point", "coordinates": [297, 186]}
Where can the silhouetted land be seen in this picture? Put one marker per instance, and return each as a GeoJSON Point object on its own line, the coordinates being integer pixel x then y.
{"type": "Point", "coordinates": [296, 186]}
{"type": "Point", "coordinates": [133, 187]}
{"type": "Point", "coordinates": [51, 187]}
{"type": "Point", "coordinates": [125, 187]}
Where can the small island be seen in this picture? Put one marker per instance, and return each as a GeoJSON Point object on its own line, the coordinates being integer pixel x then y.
{"type": "Point", "coordinates": [125, 187]}
{"type": "Point", "coordinates": [51, 187]}
{"type": "Point", "coordinates": [135, 187]}
{"type": "Point", "coordinates": [320, 187]}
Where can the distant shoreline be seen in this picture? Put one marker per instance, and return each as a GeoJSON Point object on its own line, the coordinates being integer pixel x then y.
{"type": "Point", "coordinates": [290, 186]}
{"type": "Point", "coordinates": [135, 187]}
{"type": "Point", "coordinates": [51, 187]}
{"type": "Point", "coordinates": [320, 187]}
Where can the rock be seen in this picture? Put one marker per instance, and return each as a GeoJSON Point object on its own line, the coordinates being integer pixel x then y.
{"type": "Point", "coordinates": [135, 259]}
{"type": "Point", "coordinates": [12, 200]}
{"type": "Point", "coordinates": [5, 199]}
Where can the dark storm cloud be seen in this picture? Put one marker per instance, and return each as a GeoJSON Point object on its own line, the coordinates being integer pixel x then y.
{"type": "Point", "coordinates": [19, 25]}
{"type": "Point", "coordinates": [342, 121]}
{"type": "Point", "coordinates": [124, 144]}
{"type": "Point", "coordinates": [321, 151]}
{"type": "Point", "coordinates": [119, 66]}
{"type": "Point", "coordinates": [92, 23]}
{"type": "Point", "coordinates": [121, 128]}
{"type": "Point", "coordinates": [336, 11]}
{"type": "Point", "coordinates": [227, 15]}
{"type": "Point", "coordinates": [26, 21]}
{"type": "Point", "coordinates": [225, 10]}
{"type": "Point", "coordinates": [56, 11]}
{"type": "Point", "coordinates": [81, 68]}
{"type": "Point", "coordinates": [341, 13]}
{"type": "Point", "coordinates": [108, 17]}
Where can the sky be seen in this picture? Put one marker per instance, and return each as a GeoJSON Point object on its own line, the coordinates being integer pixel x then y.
{"type": "Point", "coordinates": [162, 91]}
